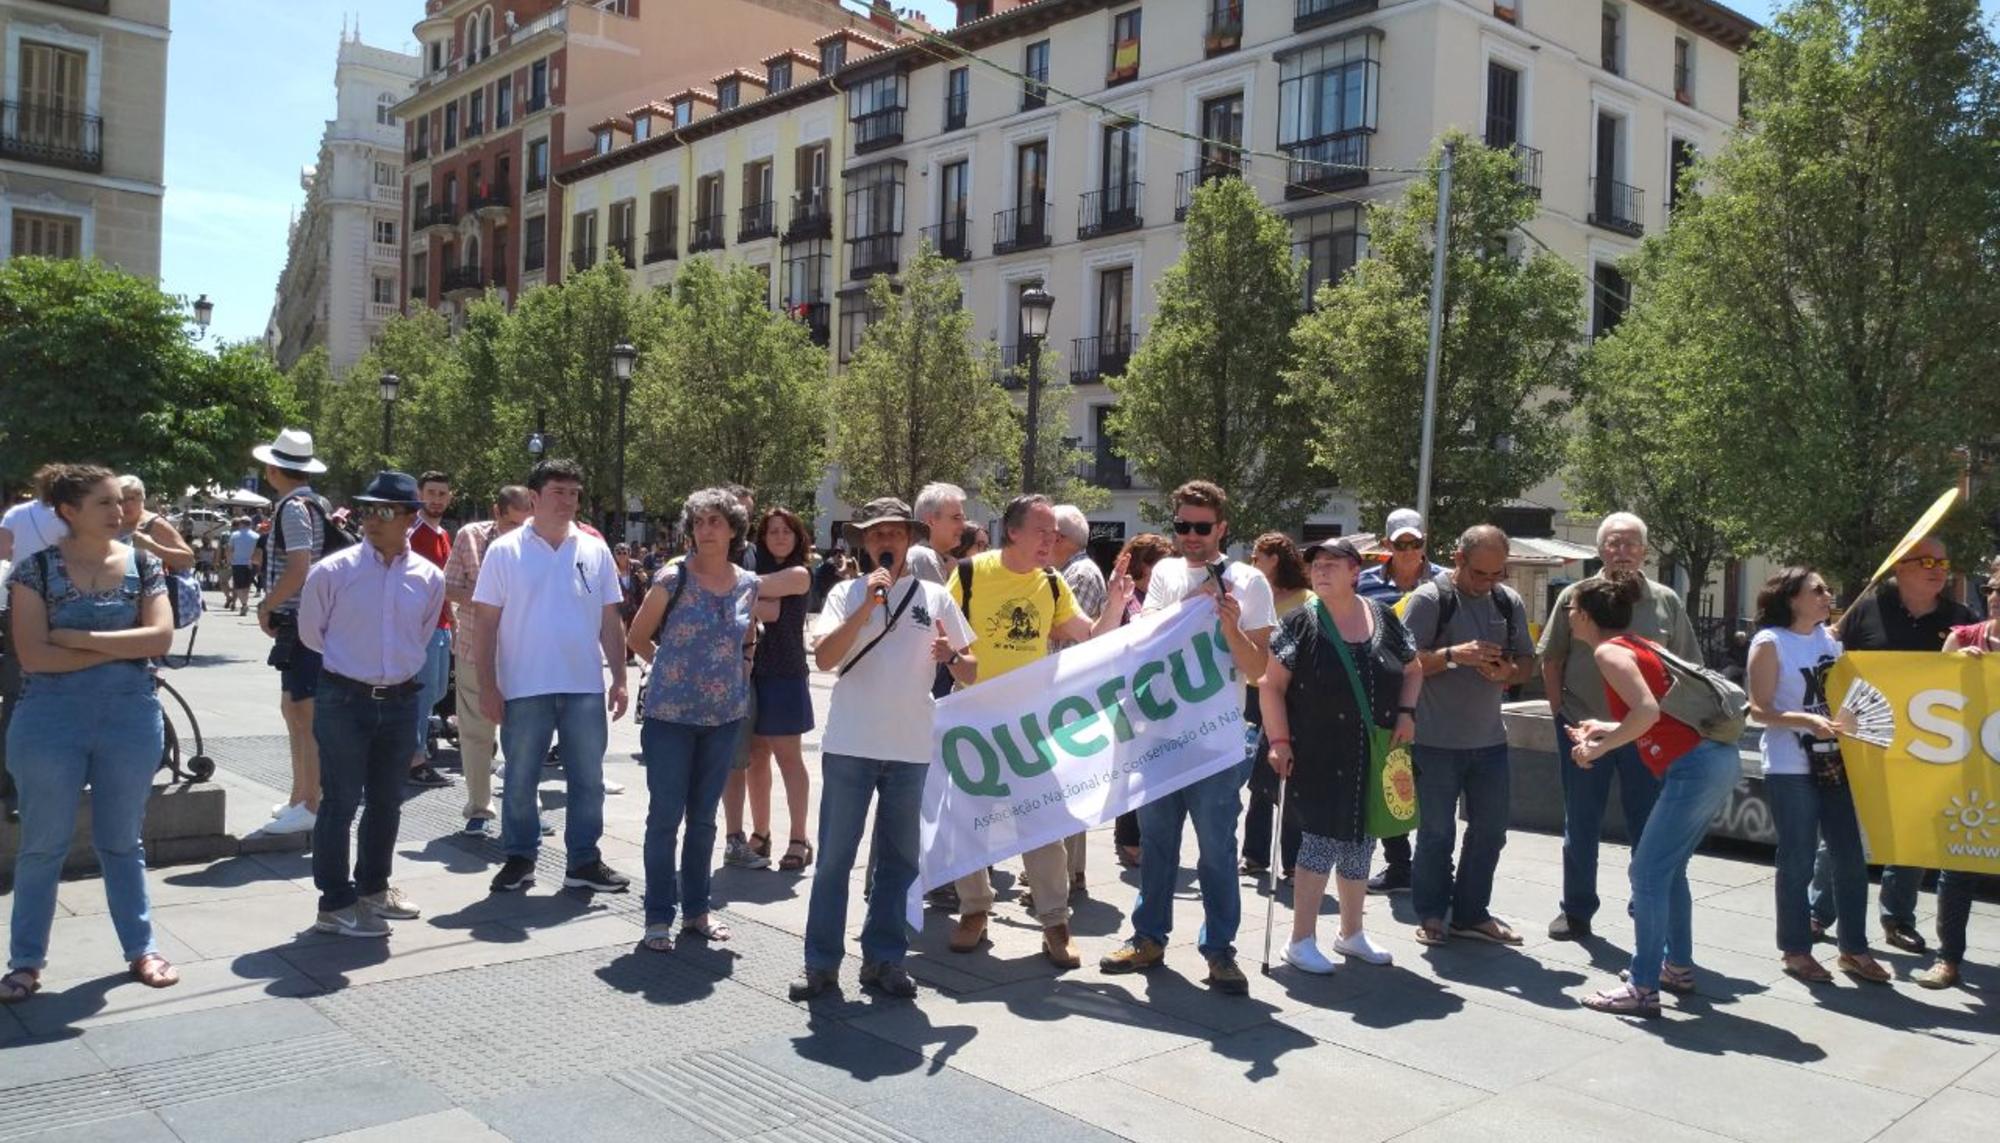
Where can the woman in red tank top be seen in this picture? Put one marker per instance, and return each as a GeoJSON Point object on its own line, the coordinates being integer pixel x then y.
{"type": "Point", "coordinates": [1697, 775]}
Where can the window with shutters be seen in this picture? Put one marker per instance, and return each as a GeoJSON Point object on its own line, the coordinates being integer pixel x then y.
{"type": "Point", "coordinates": [48, 124]}
{"type": "Point", "coordinates": [38, 235]}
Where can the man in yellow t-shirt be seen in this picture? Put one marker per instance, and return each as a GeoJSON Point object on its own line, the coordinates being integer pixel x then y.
{"type": "Point", "coordinates": [1014, 601]}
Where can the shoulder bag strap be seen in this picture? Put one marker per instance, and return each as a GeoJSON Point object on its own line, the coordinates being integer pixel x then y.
{"type": "Point", "coordinates": [965, 585]}
{"type": "Point", "coordinates": [888, 625]}
{"type": "Point", "coordinates": [1332, 634]}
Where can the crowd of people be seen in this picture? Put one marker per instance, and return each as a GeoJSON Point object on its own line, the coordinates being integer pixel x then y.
{"type": "Point", "coordinates": [531, 624]}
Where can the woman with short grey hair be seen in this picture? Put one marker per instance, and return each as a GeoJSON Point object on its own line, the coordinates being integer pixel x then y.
{"type": "Point", "coordinates": [698, 627]}
{"type": "Point", "coordinates": [151, 533]}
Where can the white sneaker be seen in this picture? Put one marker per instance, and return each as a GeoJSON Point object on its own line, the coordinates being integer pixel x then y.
{"type": "Point", "coordinates": [1305, 956]}
{"type": "Point", "coordinates": [295, 819]}
{"type": "Point", "coordinates": [392, 905]}
{"type": "Point", "coordinates": [280, 808]}
{"type": "Point", "coordinates": [1362, 946]}
{"type": "Point", "coordinates": [611, 787]}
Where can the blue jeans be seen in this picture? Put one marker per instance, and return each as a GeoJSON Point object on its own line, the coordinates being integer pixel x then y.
{"type": "Point", "coordinates": [435, 677]}
{"type": "Point", "coordinates": [1481, 775]}
{"type": "Point", "coordinates": [847, 784]}
{"type": "Point", "coordinates": [529, 725]}
{"type": "Point", "coordinates": [363, 756]}
{"type": "Point", "coordinates": [1585, 794]}
{"type": "Point", "coordinates": [1696, 788]}
{"type": "Point", "coordinates": [1954, 910]}
{"type": "Point", "coordinates": [1806, 812]}
{"type": "Point", "coordinates": [62, 737]}
{"type": "Point", "coordinates": [686, 768]}
{"type": "Point", "coordinates": [1897, 902]}
{"type": "Point", "coordinates": [1213, 805]}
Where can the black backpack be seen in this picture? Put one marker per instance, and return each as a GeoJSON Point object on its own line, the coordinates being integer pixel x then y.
{"type": "Point", "coordinates": [334, 535]}
{"type": "Point", "coordinates": [1504, 598]}
{"type": "Point", "coordinates": [965, 587]}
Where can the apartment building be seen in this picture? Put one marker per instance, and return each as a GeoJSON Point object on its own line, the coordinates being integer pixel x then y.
{"type": "Point", "coordinates": [513, 90]}
{"type": "Point", "coordinates": [343, 267]}
{"type": "Point", "coordinates": [83, 119]}
{"type": "Point", "coordinates": [1061, 149]}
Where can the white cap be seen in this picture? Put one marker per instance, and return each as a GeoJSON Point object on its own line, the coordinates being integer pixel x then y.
{"type": "Point", "coordinates": [1405, 522]}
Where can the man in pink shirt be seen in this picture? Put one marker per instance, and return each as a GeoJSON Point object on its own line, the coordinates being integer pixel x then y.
{"type": "Point", "coordinates": [368, 611]}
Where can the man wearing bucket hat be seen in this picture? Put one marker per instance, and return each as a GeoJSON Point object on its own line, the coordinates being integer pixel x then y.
{"type": "Point", "coordinates": [368, 611]}
{"type": "Point", "coordinates": [884, 637]}
{"type": "Point", "coordinates": [298, 539]}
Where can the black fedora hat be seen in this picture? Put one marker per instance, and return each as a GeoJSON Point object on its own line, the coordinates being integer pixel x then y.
{"type": "Point", "coordinates": [397, 488]}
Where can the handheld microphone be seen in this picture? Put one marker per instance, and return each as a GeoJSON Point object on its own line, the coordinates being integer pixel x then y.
{"type": "Point", "coordinates": [888, 564]}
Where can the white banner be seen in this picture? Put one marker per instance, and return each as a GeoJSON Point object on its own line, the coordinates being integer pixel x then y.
{"type": "Point", "coordinates": [1052, 749]}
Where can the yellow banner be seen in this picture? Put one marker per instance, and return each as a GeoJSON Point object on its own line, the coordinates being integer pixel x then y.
{"type": "Point", "coordinates": [1924, 760]}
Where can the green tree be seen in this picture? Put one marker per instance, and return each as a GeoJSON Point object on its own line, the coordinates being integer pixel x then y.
{"type": "Point", "coordinates": [95, 364]}
{"type": "Point", "coordinates": [1645, 437]}
{"type": "Point", "coordinates": [418, 349]}
{"type": "Point", "coordinates": [1835, 277]}
{"type": "Point", "coordinates": [1507, 371]}
{"type": "Point", "coordinates": [311, 378]}
{"type": "Point", "coordinates": [734, 393]}
{"type": "Point", "coordinates": [919, 401]}
{"type": "Point", "coordinates": [1205, 394]}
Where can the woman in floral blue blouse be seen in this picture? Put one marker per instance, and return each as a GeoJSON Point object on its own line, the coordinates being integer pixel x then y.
{"type": "Point", "coordinates": [698, 627]}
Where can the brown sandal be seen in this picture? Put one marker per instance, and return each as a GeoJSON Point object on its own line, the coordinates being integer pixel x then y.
{"type": "Point", "coordinates": [19, 984]}
{"type": "Point", "coordinates": [760, 844]}
{"type": "Point", "coordinates": [1864, 968]}
{"type": "Point", "coordinates": [1808, 969]}
{"type": "Point", "coordinates": [1431, 933]}
{"type": "Point", "coordinates": [153, 971]}
{"type": "Point", "coordinates": [797, 856]}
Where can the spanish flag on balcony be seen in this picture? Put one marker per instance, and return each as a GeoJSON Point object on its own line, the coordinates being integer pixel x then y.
{"type": "Point", "coordinates": [1125, 58]}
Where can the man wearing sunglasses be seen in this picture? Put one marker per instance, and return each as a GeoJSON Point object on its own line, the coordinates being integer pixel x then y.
{"type": "Point", "coordinates": [368, 611]}
{"type": "Point", "coordinates": [1408, 568]}
{"type": "Point", "coordinates": [1243, 603]}
{"type": "Point", "coordinates": [1576, 694]}
{"type": "Point", "coordinates": [1909, 612]}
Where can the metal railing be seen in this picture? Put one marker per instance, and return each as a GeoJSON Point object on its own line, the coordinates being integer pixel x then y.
{"type": "Point", "coordinates": [51, 136]}
{"type": "Point", "coordinates": [537, 101]}
{"type": "Point", "coordinates": [1186, 181]}
{"type": "Point", "coordinates": [875, 254]}
{"type": "Point", "coordinates": [1008, 370]}
{"type": "Point", "coordinates": [883, 128]}
{"type": "Point", "coordinates": [1314, 13]}
{"type": "Point", "coordinates": [812, 216]}
{"type": "Point", "coordinates": [1330, 162]}
{"type": "Point", "coordinates": [817, 317]}
{"type": "Point", "coordinates": [759, 221]}
{"type": "Point", "coordinates": [492, 198]}
{"type": "Point", "coordinates": [1107, 471]}
{"type": "Point", "coordinates": [705, 233]}
{"type": "Point", "coordinates": [1022, 228]}
{"type": "Point", "coordinates": [434, 214]}
{"type": "Point", "coordinates": [951, 238]}
{"type": "Point", "coordinates": [660, 246]}
{"type": "Point", "coordinates": [1225, 26]}
{"type": "Point", "coordinates": [1109, 210]}
{"type": "Point", "coordinates": [1529, 173]}
{"type": "Point", "coordinates": [1617, 206]}
{"type": "Point", "coordinates": [1092, 359]}
{"type": "Point", "coordinates": [461, 279]}
{"type": "Point", "coordinates": [955, 106]}
{"type": "Point", "coordinates": [621, 247]}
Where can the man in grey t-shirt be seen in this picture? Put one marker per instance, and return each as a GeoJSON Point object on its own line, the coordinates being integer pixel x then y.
{"type": "Point", "coordinates": [940, 508]}
{"type": "Point", "coordinates": [1471, 631]}
{"type": "Point", "coordinates": [1576, 693]}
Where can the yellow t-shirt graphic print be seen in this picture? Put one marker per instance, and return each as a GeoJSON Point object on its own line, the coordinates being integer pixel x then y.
{"type": "Point", "coordinates": [1012, 613]}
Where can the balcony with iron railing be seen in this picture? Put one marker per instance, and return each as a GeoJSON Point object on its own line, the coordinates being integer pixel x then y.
{"type": "Point", "coordinates": [419, 151]}
{"type": "Point", "coordinates": [1529, 169]}
{"type": "Point", "coordinates": [1107, 470]}
{"type": "Point", "coordinates": [534, 259]}
{"type": "Point", "coordinates": [536, 102]}
{"type": "Point", "coordinates": [1022, 228]}
{"type": "Point", "coordinates": [435, 215]}
{"type": "Point", "coordinates": [812, 216]}
{"type": "Point", "coordinates": [1092, 359]}
{"type": "Point", "coordinates": [759, 221]}
{"type": "Point", "coordinates": [660, 245]}
{"type": "Point", "coordinates": [1618, 207]}
{"type": "Point", "coordinates": [705, 233]}
{"type": "Point", "coordinates": [817, 318]}
{"type": "Point", "coordinates": [620, 245]}
{"type": "Point", "coordinates": [878, 129]}
{"type": "Point", "coordinates": [1328, 163]}
{"type": "Point", "coordinates": [51, 137]}
{"type": "Point", "coordinates": [94, 7]}
{"type": "Point", "coordinates": [419, 291]}
{"type": "Point", "coordinates": [1318, 13]}
{"type": "Point", "coordinates": [491, 201]}
{"type": "Point", "coordinates": [582, 258]}
{"type": "Point", "coordinates": [872, 255]}
{"type": "Point", "coordinates": [1187, 181]}
{"type": "Point", "coordinates": [1010, 369]}
{"type": "Point", "coordinates": [1225, 27]}
{"type": "Point", "coordinates": [461, 280]}
{"type": "Point", "coordinates": [1109, 210]}
{"type": "Point", "coordinates": [951, 238]}
{"type": "Point", "coordinates": [955, 106]}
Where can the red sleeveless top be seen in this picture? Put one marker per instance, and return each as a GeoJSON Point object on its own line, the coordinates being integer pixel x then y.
{"type": "Point", "coordinates": [1669, 738]}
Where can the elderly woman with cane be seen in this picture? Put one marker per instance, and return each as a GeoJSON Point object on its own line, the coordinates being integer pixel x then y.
{"type": "Point", "coordinates": [1340, 667]}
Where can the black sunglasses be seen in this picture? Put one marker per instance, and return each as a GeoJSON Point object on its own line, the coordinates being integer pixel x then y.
{"type": "Point", "coordinates": [1407, 545]}
{"type": "Point", "coordinates": [1198, 527]}
{"type": "Point", "coordinates": [377, 511]}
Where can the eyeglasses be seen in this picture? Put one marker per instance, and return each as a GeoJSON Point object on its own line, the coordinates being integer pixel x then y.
{"type": "Point", "coordinates": [1407, 545]}
{"type": "Point", "coordinates": [1928, 563]}
{"type": "Point", "coordinates": [376, 511]}
{"type": "Point", "coordinates": [1198, 527]}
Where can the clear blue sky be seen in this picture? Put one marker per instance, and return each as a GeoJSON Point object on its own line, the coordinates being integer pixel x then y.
{"type": "Point", "coordinates": [249, 88]}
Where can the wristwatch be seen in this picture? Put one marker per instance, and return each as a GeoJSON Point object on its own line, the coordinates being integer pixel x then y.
{"type": "Point", "coordinates": [953, 661]}
{"type": "Point", "coordinates": [1409, 710]}
{"type": "Point", "coordinates": [1449, 663]}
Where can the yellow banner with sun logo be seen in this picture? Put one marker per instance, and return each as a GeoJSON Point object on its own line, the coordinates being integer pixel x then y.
{"type": "Point", "coordinates": [1922, 752]}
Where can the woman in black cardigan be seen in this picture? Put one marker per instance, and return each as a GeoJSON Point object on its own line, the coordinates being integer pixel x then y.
{"type": "Point", "coordinates": [1320, 740]}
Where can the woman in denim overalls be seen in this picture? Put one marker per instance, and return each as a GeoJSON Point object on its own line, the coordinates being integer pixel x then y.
{"type": "Point", "coordinates": [87, 615]}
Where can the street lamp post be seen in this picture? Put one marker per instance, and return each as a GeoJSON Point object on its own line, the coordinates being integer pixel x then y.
{"type": "Point", "coordinates": [204, 312]}
{"type": "Point", "coordinates": [622, 357]}
{"type": "Point", "coordinates": [539, 441]}
{"type": "Point", "coordinates": [390, 383]}
{"type": "Point", "coordinates": [1036, 305]}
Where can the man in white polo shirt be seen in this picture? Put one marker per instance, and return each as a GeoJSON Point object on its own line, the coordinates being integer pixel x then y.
{"type": "Point", "coordinates": [548, 620]}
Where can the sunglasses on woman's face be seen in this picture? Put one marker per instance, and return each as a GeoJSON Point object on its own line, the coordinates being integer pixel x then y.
{"type": "Point", "coordinates": [1407, 545]}
{"type": "Point", "coordinates": [1198, 527]}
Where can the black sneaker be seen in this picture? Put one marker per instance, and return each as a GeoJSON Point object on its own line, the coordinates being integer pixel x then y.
{"type": "Point", "coordinates": [427, 776]}
{"type": "Point", "coordinates": [517, 873]}
{"type": "Point", "coordinates": [1392, 879]}
{"type": "Point", "coordinates": [598, 876]}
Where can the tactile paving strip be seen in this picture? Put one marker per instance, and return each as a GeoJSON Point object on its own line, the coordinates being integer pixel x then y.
{"type": "Point", "coordinates": [734, 1097]}
{"type": "Point", "coordinates": [83, 1100]}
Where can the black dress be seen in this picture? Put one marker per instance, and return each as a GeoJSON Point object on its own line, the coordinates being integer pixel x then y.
{"type": "Point", "coordinates": [1329, 737]}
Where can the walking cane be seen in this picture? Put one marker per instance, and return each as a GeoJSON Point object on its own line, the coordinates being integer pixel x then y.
{"type": "Point", "coordinates": [1271, 902]}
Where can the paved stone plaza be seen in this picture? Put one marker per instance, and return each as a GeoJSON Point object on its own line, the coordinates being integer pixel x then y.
{"type": "Point", "coordinates": [536, 1016]}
